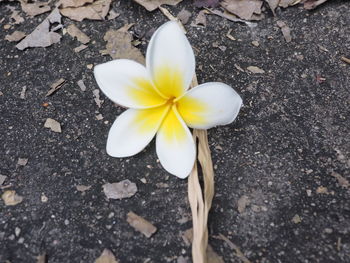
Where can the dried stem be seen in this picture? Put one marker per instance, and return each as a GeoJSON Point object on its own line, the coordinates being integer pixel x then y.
{"type": "Point", "coordinates": [201, 203]}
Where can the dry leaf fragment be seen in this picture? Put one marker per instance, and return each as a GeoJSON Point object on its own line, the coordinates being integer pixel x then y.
{"type": "Point", "coordinates": [82, 188]}
{"type": "Point", "coordinates": [2, 179]}
{"type": "Point", "coordinates": [140, 224]}
{"type": "Point", "coordinates": [322, 190]}
{"type": "Point", "coordinates": [22, 161]}
{"type": "Point", "coordinates": [112, 15]}
{"type": "Point", "coordinates": [80, 48]}
{"type": "Point", "coordinates": [106, 257]}
{"type": "Point", "coordinates": [120, 190]}
{"type": "Point", "coordinates": [52, 124]}
{"type": "Point", "coordinates": [42, 36]}
{"type": "Point", "coordinates": [55, 86]}
{"type": "Point", "coordinates": [201, 19]}
{"type": "Point", "coordinates": [119, 45]}
{"type": "Point", "coordinates": [74, 3]}
{"type": "Point", "coordinates": [244, 9]}
{"type": "Point", "coordinates": [15, 36]}
{"type": "Point", "coordinates": [285, 30]}
{"type": "Point", "coordinates": [41, 258]}
{"type": "Point", "coordinates": [97, 10]}
{"type": "Point", "coordinates": [311, 4]}
{"type": "Point", "coordinates": [229, 36]}
{"type": "Point", "coordinates": [151, 5]}
{"type": "Point", "coordinates": [255, 70]}
{"type": "Point", "coordinates": [74, 31]}
{"type": "Point", "coordinates": [184, 16]}
{"type": "Point", "coordinates": [343, 182]}
{"type": "Point", "coordinates": [296, 219]}
{"type": "Point", "coordinates": [34, 8]}
{"type": "Point", "coordinates": [15, 16]}
{"type": "Point", "coordinates": [286, 3]}
{"type": "Point", "coordinates": [273, 5]}
{"type": "Point", "coordinates": [11, 198]}
{"type": "Point", "coordinates": [96, 93]}
{"type": "Point", "coordinates": [81, 85]}
{"type": "Point", "coordinates": [242, 203]}
{"type": "Point", "coordinates": [22, 94]}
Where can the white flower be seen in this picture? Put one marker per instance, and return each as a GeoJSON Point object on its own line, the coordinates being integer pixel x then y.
{"type": "Point", "coordinates": [160, 103]}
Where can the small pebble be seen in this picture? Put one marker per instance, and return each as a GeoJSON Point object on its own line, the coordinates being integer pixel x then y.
{"type": "Point", "coordinates": [111, 214]}
{"type": "Point", "coordinates": [44, 198]}
{"type": "Point", "coordinates": [143, 180]}
{"type": "Point", "coordinates": [17, 231]}
{"type": "Point", "coordinates": [328, 230]}
{"type": "Point", "coordinates": [255, 43]}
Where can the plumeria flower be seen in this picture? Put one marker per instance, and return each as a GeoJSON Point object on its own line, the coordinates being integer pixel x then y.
{"type": "Point", "coordinates": [160, 103]}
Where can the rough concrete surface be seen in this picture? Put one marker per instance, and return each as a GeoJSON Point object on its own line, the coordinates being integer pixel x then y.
{"type": "Point", "coordinates": [285, 151]}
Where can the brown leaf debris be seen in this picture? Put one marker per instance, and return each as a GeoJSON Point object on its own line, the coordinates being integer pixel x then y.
{"type": "Point", "coordinates": [52, 124]}
{"type": "Point", "coordinates": [140, 224]}
{"type": "Point", "coordinates": [106, 257]}
{"type": "Point", "coordinates": [119, 45]}
{"type": "Point", "coordinates": [151, 5]}
{"type": "Point", "coordinates": [42, 36]}
{"type": "Point", "coordinates": [74, 31]}
{"type": "Point", "coordinates": [97, 10]}
{"type": "Point", "coordinates": [285, 30]}
{"type": "Point", "coordinates": [343, 182]}
{"type": "Point", "coordinates": [11, 198]}
{"type": "Point", "coordinates": [74, 3]}
{"type": "Point", "coordinates": [15, 36]}
{"type": "Point", "coordinates": [243, 9]}
{"type": "Point", "coordinates": [120, 190]}
{"type": "Point", "coordinates": [255, 70]}
{"type": "Point", "coordinates": [311, 4]}
{"type": "Point", "coordinates": [34, 8]}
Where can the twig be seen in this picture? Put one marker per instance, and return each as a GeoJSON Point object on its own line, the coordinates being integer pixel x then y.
{"type": "Point", "coordinates": [229, 17]}
{"type": "Point", "coordinates": [171, 17]}
{"type": "Point", "coordinates": [346, 60]}
{"type": "Point", "coordinates": [234, 247]}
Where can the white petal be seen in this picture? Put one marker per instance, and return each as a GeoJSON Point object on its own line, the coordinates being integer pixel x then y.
{"type": "Point", "coordinates": [209, 105]}
{"type": "Point", "coordinates": [170, 60]}
{"type": "Point", "coordinates": [127, 83]}
{"type": "Point", "coordinates": [132, 131]}
{"type": "Point", "coordinates": [175, 146]}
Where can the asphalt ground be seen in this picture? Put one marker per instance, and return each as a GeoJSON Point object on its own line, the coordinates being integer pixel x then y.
{"type": "Point", "coordinates": [284, 153]}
